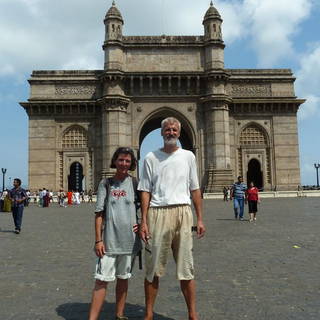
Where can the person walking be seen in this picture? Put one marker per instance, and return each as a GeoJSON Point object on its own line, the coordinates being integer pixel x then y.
{"type": "Point", "coordinates": [168, 181]}
{"type": "Point", "coordinates": [238, 193]}
{"type": "Point", "coordinates": [17, 196]}
{"type": "Point", "coordinates": [116, 239]}
{"type": "Point", "coordinates": [252, 196]}
{"type": "Point", "coordinates": [90, 194]}
{"type": "Point", "coordinates": [7, 206]}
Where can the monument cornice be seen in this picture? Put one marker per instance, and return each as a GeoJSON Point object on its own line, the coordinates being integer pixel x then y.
{"type": "Point", "coordinates": [163, 41]}
{"type": "Point", "coordinates": [111, 103]}
{"type": "Point", "coordinates": [216, 98]}
{"type": "Point", "coordinates": [74, 108]}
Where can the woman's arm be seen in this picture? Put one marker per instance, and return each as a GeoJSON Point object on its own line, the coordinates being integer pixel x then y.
{"type": "Point", "coordinates": [99, 245]}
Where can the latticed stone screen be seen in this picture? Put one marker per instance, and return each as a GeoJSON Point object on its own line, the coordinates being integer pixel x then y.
{"type": "Point", "coordinates": [252, 135]}
{"type": "Point", "coordinates": [75, 137]}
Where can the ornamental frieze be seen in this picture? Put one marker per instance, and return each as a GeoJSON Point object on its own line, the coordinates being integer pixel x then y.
{"type": "Point", "coordinates": [75, 90]}
{"type": "Point", "coordinates": [253, 90]}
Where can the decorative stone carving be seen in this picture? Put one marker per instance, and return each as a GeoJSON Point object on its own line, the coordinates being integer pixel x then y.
{"type": "Point", "coordinates": [253, 90]}
{"type": "Point", "coordinates": [74, 90]}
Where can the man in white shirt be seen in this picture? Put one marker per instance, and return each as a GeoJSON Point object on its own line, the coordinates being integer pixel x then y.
{"type": "Point", "coordinates": [169, 179]}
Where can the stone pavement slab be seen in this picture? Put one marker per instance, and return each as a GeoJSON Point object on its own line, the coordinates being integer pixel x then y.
{"type": "Point", "coordinates": [264, 270]}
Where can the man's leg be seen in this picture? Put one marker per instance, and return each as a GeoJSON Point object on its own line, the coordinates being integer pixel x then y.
{"type": "Point", "coordinates": [14, 216]}
{"type": "Point", "coordinates": [121, 296]}
{"type": "Point", "coordinates": [235, 207]}
{"type": "Point", "coordinates": [98, 297]}
{"type": "Point", "coordinates": [188, 289]}
{"type": "Point", "coordinates": [241, 208]}
{"type": "Point", "coordinates": [151, 291]}
{"type": "Point", "coordinates": [19, 217]}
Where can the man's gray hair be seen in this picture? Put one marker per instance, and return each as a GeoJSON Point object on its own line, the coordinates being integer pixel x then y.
{"type": "Point", "coordinates": [165, 121]}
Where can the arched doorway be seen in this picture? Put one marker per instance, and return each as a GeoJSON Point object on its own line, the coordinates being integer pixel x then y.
{"type": "Point", "coordinates": [75, 177]}
{"type": "Point", "coordinates": [254, 173]}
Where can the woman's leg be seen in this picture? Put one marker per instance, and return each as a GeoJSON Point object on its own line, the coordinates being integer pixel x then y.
{"type": "Point", "coordinates": [98, 297]}
{"type": "Point", "coordinates": [121, 296]}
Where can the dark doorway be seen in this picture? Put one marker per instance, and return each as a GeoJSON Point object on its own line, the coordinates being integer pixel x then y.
{"type": "Point", "coordinates": [254, 173]}
{"type": "Point", "coordinates": [75, 178]}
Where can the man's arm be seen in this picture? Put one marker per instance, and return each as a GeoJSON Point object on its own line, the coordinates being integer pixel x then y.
{"type": "Point", "coordinates": [197, 202]}
{"type": "Point", "coordinates": [145, 201]}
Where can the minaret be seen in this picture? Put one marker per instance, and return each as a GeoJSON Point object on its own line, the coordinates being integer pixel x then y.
{"type": "Point", "coordinates": [216, 105]}
{"type": "Point", "coordinates": [113, 39]}
{"type": "Point", "coordinates": [213, 39]}
{"type": "Point", "coordinates": [113, 103]}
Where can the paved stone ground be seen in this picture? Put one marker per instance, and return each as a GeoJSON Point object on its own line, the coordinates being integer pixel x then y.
{"type": "Point", "coordinates": [267, 270]}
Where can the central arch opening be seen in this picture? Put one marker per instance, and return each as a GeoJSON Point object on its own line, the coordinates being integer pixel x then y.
{"type": "Point", "coordinates": [150, 137]}
{"type": "Point", "coordinates": [254, 173]}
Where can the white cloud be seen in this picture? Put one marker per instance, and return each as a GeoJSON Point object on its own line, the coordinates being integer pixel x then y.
{"type": "Point", "coordinates": [272, 25]}
{"type": "Point", "coordinates": [307, 84]}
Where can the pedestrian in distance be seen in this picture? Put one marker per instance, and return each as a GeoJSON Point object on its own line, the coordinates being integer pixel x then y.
{"type": "Point", "coordinates": [168, 182]}
{"type": "Point", "coordinates": [17, 196]}
{"type": "Point", "coordinates": [252, 196]}
{"type": "Point", "coordinates": [116, 240]}
{"type": "Point", "coordinates": [238, 194]}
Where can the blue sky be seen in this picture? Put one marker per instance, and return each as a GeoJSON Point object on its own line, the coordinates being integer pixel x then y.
{"type": "Point", "coordinates": [68, 34]}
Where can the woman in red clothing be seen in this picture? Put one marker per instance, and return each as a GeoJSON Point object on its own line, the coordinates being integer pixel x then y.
{"type": "Point", "coordinates": [69, 195]}
{"type": "Point", "coordinates": [252, 196]}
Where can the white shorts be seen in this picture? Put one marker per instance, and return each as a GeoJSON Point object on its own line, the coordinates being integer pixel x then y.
{"type": "Point", "coordinates": [108, 268]}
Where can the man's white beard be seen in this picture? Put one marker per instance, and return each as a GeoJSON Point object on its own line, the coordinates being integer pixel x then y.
{"type": "Point", "coordinates": [170, 141]}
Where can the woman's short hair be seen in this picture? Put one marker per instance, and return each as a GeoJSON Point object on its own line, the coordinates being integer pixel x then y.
{"type": "Point", "coordinates": [124, 150]}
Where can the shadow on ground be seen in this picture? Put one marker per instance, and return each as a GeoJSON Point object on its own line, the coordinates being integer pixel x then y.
{"type": "Point", "coordinates": [79, 311]}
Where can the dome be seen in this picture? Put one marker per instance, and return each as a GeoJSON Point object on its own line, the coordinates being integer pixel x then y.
{"type": "Point", "coordinates": [114, 12]}
{"type": "Point", "coordinates": [212, 13]}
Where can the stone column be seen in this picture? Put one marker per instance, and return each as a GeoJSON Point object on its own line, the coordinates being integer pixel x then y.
{"type": "Point", "coordinates": [114, 129]}
{"type": "Point", "coordinates": [219, 173]}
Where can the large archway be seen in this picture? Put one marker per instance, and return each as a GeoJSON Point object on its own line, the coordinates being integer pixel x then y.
{"type": "Point", "coordinates": [153, 123]}
{"type": "Point", "coordinates": [75, 178]}
{"type": "Point", "coordinates": [254, 173]}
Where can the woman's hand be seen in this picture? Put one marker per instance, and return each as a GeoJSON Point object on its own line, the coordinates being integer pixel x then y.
{"type": "Point", "coordinates": [100, 249]}
{"type": "Point", "coordinates": [135, 228]}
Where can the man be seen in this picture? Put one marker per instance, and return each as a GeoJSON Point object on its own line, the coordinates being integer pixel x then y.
{"type": "Point", "coordinates": [238, 193]}
{"type": "Point", "coordinates": [169, 176]}
{"type": "Point", "coordinates": [17, 196]}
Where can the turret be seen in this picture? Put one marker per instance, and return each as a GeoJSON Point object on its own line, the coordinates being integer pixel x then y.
{"type": "Point", "coordinates": [113, 60]}
{"type": "Point", "coordinates": [214, 45]}
{"type": "Point", "coordinates": [113, 22]}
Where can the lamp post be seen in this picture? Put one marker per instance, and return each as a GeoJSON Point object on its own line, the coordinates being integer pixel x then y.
{"type": "Point", "coordinates": [317, 166]}
{"type": "Point", "coordinates": [4, 170]}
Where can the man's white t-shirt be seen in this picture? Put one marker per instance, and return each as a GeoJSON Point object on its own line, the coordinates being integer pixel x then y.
{"type": "Point", "coordinates": [169, 177]}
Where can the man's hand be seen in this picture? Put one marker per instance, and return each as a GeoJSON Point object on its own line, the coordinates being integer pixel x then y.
{"type": "Point", "coordinates": [200, 229]}
{"type": "Point", "coordinates": [144, 232]}
{"type": "Point", "coordinates": [100, 249]}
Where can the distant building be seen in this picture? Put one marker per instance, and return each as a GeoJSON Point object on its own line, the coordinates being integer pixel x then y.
{"type": "Point", "coordinates": [236, 121]}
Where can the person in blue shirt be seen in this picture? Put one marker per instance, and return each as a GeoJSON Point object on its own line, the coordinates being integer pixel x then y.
{"type": "Point", "coordinates": [238, 194]}
{"type": "Point", "coordinates": [18, 196]}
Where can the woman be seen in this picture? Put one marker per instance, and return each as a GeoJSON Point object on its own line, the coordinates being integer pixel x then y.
{"type": "Point", "coordinates": [6, 201]}
{"type": "Point", "coordinates": [116, 247]}
{"type": "Point", "coordinates": [252, 196]}
{"type": "Point", "coordinates": [69, 195]}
